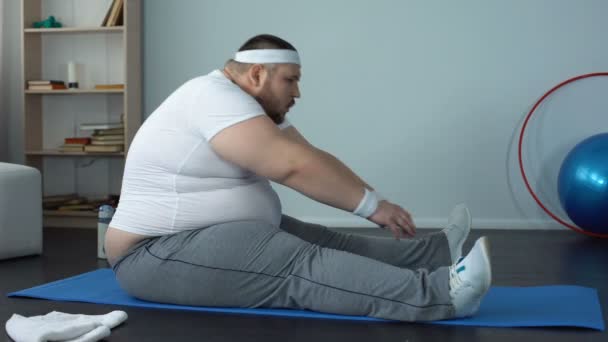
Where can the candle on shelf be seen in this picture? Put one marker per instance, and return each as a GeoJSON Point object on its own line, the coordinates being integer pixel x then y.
{"type": "Point", "coordinates": [72, 76]}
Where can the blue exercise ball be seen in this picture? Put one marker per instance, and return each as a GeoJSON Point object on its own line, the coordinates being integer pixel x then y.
{"type": "Point", "coordinates": [583, 184]}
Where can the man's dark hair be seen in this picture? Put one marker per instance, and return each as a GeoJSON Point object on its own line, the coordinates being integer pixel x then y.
{"type": "Point", "coordinates": [266, 41]}
{"type": "Point", "coordinates": [261, 41]}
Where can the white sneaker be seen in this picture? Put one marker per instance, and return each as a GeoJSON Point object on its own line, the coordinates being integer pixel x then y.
{"type": "Point", "coordinates": [457, 230]}
{"type": "Point", "coordinates": [470, 279]}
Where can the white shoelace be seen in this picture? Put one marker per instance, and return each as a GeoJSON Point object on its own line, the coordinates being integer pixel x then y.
{"type": "Point", "coordinates": [455, 281]}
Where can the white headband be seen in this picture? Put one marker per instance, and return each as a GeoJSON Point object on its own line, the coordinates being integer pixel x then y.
{"type": "Point", "coordinates": [267, 56]}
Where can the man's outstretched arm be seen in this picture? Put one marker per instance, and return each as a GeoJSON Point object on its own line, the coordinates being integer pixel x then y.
{"type": "Point", "coordinates": [293, 134]}
{"type": "Point", "coordinates": [258, 145]}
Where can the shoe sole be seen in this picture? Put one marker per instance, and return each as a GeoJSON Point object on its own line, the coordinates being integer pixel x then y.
{"type": "Point", "coordinates": [485, 248]}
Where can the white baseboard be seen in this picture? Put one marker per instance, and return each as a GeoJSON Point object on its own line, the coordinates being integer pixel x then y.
{"type": "Point", "coordinates": [479, 223]}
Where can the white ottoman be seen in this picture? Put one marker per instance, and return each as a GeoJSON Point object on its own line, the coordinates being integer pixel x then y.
{"type": "Point", "coordinates": [20, 211]}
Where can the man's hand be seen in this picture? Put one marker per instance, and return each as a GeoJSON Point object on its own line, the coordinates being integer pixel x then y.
{"type": "Point", "coordinates": [397, 219]}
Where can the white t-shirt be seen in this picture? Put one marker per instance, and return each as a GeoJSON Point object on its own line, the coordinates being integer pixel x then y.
{"type": "Point", "coordinates": [174, 181]}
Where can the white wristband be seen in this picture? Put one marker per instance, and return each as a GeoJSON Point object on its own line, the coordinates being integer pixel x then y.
{"type": "Point", "coordinates": [368, 204]}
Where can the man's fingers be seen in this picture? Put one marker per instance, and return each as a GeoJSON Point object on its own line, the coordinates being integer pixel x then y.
{"type": "Point", "coordinates": [410, 231]}
{"type": "Point", "coordinates": [410, 227]}
{"type": "Point", "coordinates": [405, 226]}
{"type": "Point", "coordinates": [396, 230]}
{"type": "Point", "coordinates": [409, 218]}
{"type": "Point", "coordinates": [407, 230]}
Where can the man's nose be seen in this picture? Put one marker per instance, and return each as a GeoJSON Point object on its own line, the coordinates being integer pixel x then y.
{"type": "Point", "coordinates": [297, 92]}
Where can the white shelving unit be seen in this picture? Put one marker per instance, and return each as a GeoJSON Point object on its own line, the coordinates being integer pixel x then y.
{"type": "Point", "coordinates": [104, 55]}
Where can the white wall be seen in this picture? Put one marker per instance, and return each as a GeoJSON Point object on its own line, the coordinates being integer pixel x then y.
{"type": "Point", "coordinates": [423, 99]}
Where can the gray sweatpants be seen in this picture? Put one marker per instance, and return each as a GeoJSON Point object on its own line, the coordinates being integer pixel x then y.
{"type": "Point", "coordinates": [251, 264]}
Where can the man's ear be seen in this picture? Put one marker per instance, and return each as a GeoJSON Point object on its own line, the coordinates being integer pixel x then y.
{"type": "Point", "coordinates": [257, 75]}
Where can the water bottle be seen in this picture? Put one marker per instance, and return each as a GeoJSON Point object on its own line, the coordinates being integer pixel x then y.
{"type": "Point", "coordinates": [105, 216]}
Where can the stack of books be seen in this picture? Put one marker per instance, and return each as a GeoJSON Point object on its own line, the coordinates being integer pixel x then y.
{"type": "Point", "coordinates": [45, 85]}
{"type": "Point", "coordinates": [74, 144]}
{"type": "Point", "coordinates": [106, 137]}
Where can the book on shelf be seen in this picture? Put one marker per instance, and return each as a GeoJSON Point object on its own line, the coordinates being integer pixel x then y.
{"type": "Point", "coordinates": [47, 87]}
{"type": "Point", "coordinates": [114, 16]}
{"type": "Point", "coordinates": [101, 126]}
{"type": "Point", "coordinates": [106, 143]}
{"type": "Point", "coordinates": [109, 86]}
{"type": "Point", "coordinates": [105, 12]}
{"type": "Point", "coordinates": [74, 144]}
{"type": "Point", "coordinates": [120, 17]}
{"type": "Point", "coordinates": [71, 148]}
{"type": "Point", "coordinates": [104, 148]}
{"type": "Point", "coordinates": [77, 140]}
{"type": "Point", "coordinates": [108, 137]}
{"type": "Point", "coordinates": [44, 82]}
{"type": "Point", "coordinates": [74, 202]}
{"type": "Point", "coordinates": [108, 132]}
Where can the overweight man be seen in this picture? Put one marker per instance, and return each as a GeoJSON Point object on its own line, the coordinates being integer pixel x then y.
{"type": "Point", "coordinates": [198, 222]}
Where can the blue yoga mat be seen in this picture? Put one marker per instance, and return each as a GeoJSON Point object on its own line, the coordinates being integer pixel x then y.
{"type": "Point", "coordinates": [572, 306]}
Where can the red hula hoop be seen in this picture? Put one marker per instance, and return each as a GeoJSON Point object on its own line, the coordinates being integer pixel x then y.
{"type": "Point", "coordinates": [521, 164]}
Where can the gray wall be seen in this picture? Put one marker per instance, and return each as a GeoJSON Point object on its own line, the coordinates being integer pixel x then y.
{"type": "Point", "coordinates": [423, 99]}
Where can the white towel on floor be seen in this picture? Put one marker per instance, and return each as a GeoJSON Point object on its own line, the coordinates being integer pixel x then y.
{"type": "Point", "coordinates": [60, 326]}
